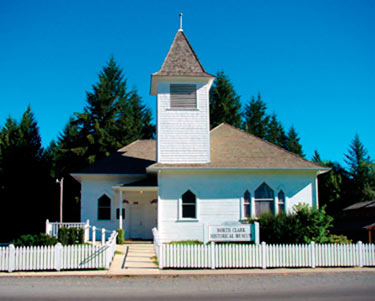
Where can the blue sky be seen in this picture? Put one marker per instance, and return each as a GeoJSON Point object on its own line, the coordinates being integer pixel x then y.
{"type": "Point", "coordinates": [312, 61]}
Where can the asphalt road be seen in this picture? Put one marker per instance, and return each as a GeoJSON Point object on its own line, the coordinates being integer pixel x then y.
{"type": "Point", "coordinates": [311, 286]}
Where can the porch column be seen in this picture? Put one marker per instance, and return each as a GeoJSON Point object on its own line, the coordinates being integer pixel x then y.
{"type": "Point", "coordinates": [120, 213]}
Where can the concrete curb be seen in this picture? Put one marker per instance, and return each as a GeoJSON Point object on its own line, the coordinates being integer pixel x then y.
{"type": "Point", "coordinates": [178, 273]}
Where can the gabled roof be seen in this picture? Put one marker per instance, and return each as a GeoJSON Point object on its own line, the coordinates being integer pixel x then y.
{"type": "Point", "coordinates": [131, 159]}
{"type": "Point", "coordinates": [233, 148]}
{"type": "Point", "coordinates": [181, 60]}
{"type": "Point", "coordinates": [230, 147]}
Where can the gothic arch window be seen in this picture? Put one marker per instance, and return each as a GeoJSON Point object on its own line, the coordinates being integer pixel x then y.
{"type": "Point", "coordinates": [189, 205]}
{"type": "Point", "coordinates": [281, 201]}
{"type": "Point", "coordinates": [264, 200]}
{"type": "Point", "coordinates": [247, 204]}
{"type": "Point", "coordinates": [104, 208]}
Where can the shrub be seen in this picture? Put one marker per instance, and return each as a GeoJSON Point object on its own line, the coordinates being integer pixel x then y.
{"type": "Point", "coordinates": [40, 239]}
{"type": "Point", "coordinates": [120, 236]}
{"type": "Point", "coordinates": [186, 242]}
{"type": "Point", "coordinates": [339, 239]}
{"type": "Point", "coordinates": [63, 235]}
{"type": "Point", "coordinates": [71, 236]}
{"type": "Point", "coordinates": [304, 225]}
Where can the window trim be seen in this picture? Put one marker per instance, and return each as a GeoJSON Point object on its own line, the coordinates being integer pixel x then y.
{"type": "Point", "coordinates": [105, 207]}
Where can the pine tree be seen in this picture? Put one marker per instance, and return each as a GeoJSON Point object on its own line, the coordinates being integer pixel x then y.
{"type": "Point", "coordinates": [225, 104]}
{"type": "Point", "coordinates": [275, 132]}
{"type": "Point", "coordinates": [316, 157]}
{"type": "Point", "coordinates": [361, 172]}
{"type": "Point", "coordinates": [113, 117]}
{"type": "Point", "coordinates": [256, 121]}
{"type": "Point", "coordinates": [292, 142]}
{"type": "Point", "coordinates": [25, 181]}
{"type": "Point", "coordinates": [332, 186]}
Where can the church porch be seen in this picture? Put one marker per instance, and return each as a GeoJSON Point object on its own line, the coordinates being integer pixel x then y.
{"type": "Point", "coordinates": [137, 208]}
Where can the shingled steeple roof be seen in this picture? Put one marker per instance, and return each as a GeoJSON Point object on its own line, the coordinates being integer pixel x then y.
{"type": "Point", "coordinates": [181, 59]}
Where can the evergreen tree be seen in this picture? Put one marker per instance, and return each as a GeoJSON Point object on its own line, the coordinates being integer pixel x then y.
{"type": "Point", "coordinates": [25, 182]}
{"type": "Point", "coordinates": [275, 132]}
{"type": "Point", "coordinates": [225, 104]}
{"type": "Point", "coordinates": [113, 117]}
{"type": "Point", "coordinates": [292, 142]}
{"type": "Point", "coordinates": [331, 186]}
{"type": "Point", "coordinates": [316, 157]}
{"type": "Point", "coordinates": [255, 118]}
{"type": "Point", "coordinates": [361, 172]}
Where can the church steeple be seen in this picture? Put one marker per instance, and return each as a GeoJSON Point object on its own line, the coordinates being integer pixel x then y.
{"type": "Point", "coordinates": [182, 88]}
{"type": "Point", "coordinates": [181, 60]}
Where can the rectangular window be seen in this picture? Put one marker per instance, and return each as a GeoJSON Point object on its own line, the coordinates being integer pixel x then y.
{"type": "Point", "coordinates": [118, 213]}
{"type": "Point", "coordinates": [183, 96]}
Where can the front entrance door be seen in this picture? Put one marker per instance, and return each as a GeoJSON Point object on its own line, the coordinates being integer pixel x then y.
{"type": "Point", "coordinates": [136, 221]}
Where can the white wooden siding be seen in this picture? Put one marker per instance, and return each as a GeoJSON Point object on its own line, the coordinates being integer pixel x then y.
{"type": "Point", "coordinates": [219, 197]}
{"type": "Point", "coordinates": [183, 135]}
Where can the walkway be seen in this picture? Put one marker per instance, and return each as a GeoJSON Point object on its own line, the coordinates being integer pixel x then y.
{"type": "Point", "coordinates": [135, 258]}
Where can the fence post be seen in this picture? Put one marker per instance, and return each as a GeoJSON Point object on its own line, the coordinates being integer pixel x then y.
{"type": "Point", "coordinates": [11, 260]}
{"type": "Point", "coordinates": [108, 256]}
{"type": "Point", "coordinates": [360, 254]}
{"type": "Point", "coordinates": [312, 254]}
{"type": "Point", "coordinates": [264, 255]}
{"type": "Point", "coordinates": [87, 227]}
{"type": "Point", "coordinates": [47, 226]}
{"type": "Point", "coordinates": [93, 238]}
{"type": "Point", "coordinates": [58, 256]}
{"type": "Point", "coordinates": [213, 259]}
{"type": "Point", "coordinates": [103, 236]}
{"type": "Point", "coordinates": [161, 255]}
{"type": "Point", "coordinates": [256, 233]}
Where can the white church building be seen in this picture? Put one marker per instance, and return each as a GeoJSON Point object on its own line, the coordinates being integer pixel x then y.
{"type": "Point", "coordinates": [191, 176]}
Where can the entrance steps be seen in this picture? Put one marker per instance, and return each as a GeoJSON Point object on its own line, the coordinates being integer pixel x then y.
{"type": "Point", "coordinates": [135, 256]}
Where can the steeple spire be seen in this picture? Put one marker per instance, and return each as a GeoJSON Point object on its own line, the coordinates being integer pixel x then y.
{"type": "Point", "coordinates": [180, 22]}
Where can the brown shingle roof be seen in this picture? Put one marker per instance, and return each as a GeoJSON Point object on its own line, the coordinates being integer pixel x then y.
{"type": "Point", "coordinates": [233, 148]}
{"type": "Point", "coordinates": [230, 148]}
{"type": "Point", "coordinates": [181, 60]}
{"type": "Point", "coordinates": [131, 159]}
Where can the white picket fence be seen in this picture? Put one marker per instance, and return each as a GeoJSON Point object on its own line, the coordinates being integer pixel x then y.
{"type": "Point", "coordinates": [58, 257]}
{"type": "Point", "coordinates": [262, 255]}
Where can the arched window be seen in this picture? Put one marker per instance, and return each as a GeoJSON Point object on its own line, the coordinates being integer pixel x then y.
{"type": "Point", "coordinates": [264, 200]}
{"type": "Point", "coordinates": [281, 201]}
{"type": "Point", "coordinates": [104, 208]}
{"type": "Point", "coordinates": [246, 204]}
{"type": "Point", "coordinates": [189, 204]}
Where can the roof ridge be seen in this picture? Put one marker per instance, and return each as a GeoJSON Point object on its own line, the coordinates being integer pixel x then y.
{"type": "Point", "coordinates": [271, 144]}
